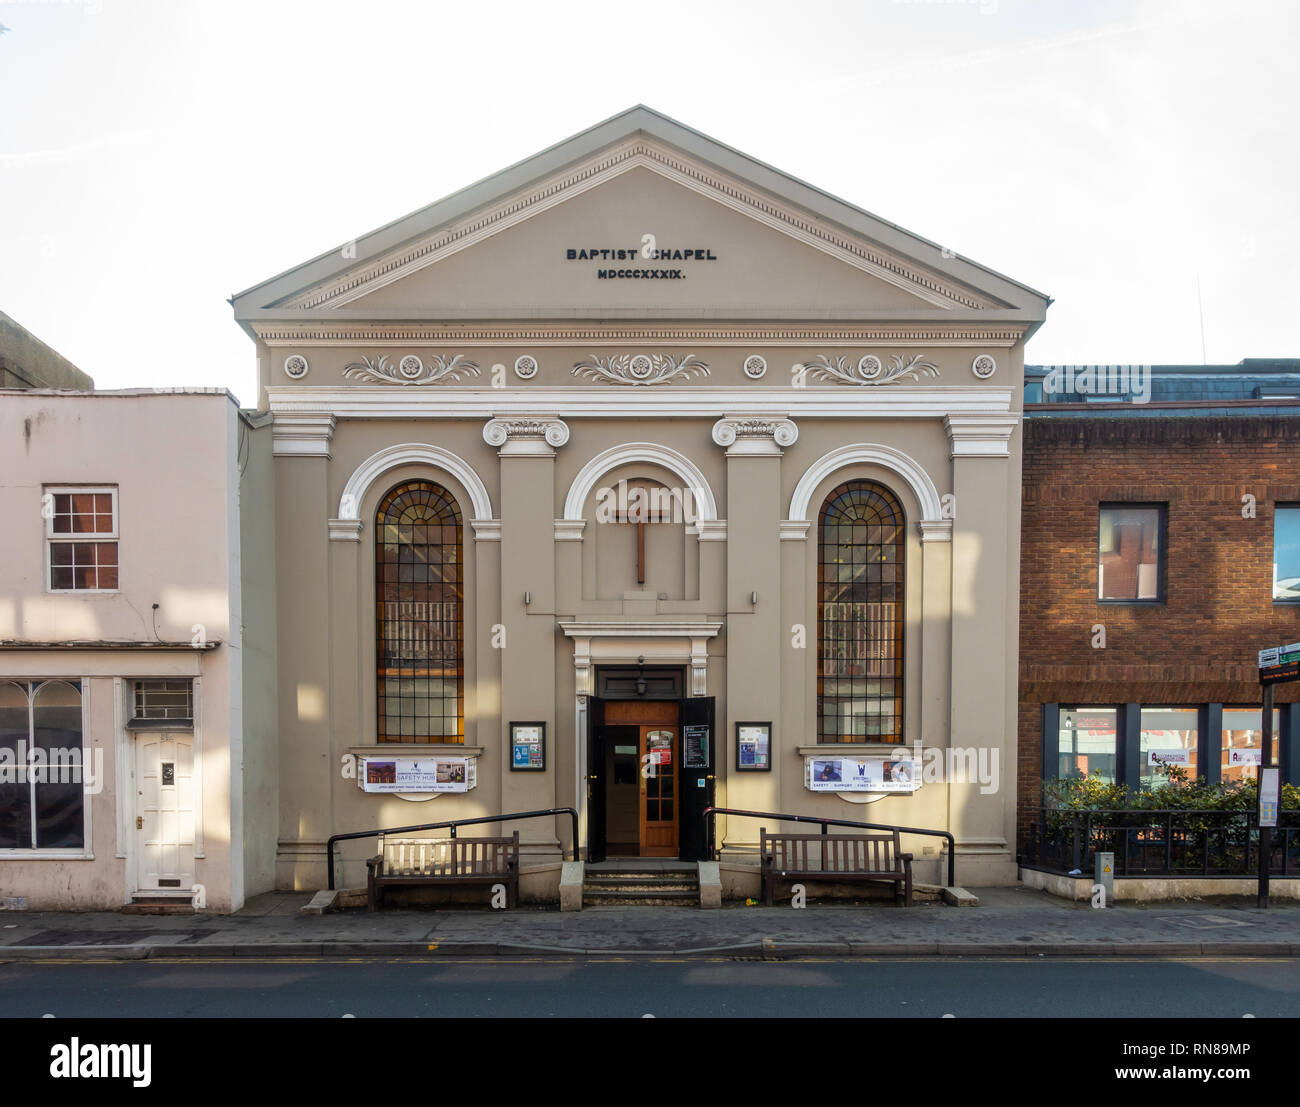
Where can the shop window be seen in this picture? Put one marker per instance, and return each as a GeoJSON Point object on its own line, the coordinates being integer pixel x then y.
{"type": "Point", "coordinates": [1087, 744]}
{"type": "Point", "coordinates": [1168, 737]}
{"type": "Point", "coordinates": [81, 539]}
{"type": "Point", "coordinates": [41, 759]}
{"type": "Point", "coordinates": [1242, 747]}
{"type": "Point", "coordinates": [1129, 543]}
{"type": "Point", "coordinates": [419, 615]}
{"type": "Point", "coordinates": [1286, 552]}
{"type": "Point", "coordinates": [860, 615]}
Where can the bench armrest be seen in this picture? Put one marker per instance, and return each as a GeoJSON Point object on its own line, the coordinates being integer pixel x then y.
{"type": "Point", "coordinates": [374, 862]}
{"type": "Point", "coordinates": [906, 858]}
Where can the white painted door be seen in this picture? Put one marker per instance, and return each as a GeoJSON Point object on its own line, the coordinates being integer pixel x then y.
{"type": "Point", "coordinates": [164, 812]}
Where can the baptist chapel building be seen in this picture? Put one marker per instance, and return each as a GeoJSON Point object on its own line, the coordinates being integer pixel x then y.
{"type": "Point", "coordinates": [642, 452]}
{"type": "Point", "coordinates": [638, 478]}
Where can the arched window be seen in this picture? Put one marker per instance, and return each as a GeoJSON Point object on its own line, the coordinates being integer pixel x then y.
{"type": "Point", "coordinates": [860, 615]}
{"type": "Point", "coordinates": [419, 616]}
{"type": "Point", "coordinates": [42, 758]}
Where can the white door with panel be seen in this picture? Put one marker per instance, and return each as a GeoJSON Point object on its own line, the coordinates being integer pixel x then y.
{"type": "Point", "coordinates": [164, 774]}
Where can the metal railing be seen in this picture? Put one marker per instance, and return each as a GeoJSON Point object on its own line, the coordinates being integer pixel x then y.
{"type": "Point", "coordinates": [453, 824]}
{"type": "Point", "coordinates": [1162, 842]}
{"type": "Point", "coordinates": [710, 812]}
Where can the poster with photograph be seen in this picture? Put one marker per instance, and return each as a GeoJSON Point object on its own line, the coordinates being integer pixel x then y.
{"type": "Point", "coordinates": [415, 774]}
{"type": "Point", "coordinates": [827, 774]}
{"type": "Point", "coordinates": [863, 774]}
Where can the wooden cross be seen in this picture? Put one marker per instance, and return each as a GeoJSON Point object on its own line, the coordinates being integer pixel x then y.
{"type": "Point", "coordinates": [640, 514]}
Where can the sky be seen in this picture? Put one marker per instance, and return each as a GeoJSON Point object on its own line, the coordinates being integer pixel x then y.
{"type": "Point", "coordinates": [1136, 161]}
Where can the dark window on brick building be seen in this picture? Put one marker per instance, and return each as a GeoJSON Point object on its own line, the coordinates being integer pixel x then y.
{"type": "Point", "coordinates": [1130, 541]}
{"type": "Point", "coordinates": [1088, 743]}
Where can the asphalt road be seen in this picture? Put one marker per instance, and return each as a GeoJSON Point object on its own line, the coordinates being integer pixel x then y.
{"type": "Point", "coordinates": [620, 988]}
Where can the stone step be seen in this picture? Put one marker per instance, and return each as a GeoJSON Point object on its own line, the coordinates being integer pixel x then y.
{"type": "Point", "coordinates": [642, 865]}
{"type": "Point", "coordinates": [158, 907]}
{"type": "Point", "coordinates": [592, 897]}
{"type": "Point", "coordinates": [647, 880]}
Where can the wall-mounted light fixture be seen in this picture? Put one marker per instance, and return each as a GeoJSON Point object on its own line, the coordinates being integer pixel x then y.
{"type": "Point", "coordinates": [640, 676]}
{"type": "Point", "coordinates": [528, 598]}
{"type": "Point", "coordinates": [753, 597]}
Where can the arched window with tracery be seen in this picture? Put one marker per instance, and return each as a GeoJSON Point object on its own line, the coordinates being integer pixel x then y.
{"type": "Point", "coordinates": [419, 615]}
{"type": "Point", "coordinates": [860, 603]}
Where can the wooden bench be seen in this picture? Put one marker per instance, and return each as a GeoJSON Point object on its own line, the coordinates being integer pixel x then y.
{"type": "Point", "coordinates": [418, 862]}
{"type": "Point", "coordinates": [835, 858]}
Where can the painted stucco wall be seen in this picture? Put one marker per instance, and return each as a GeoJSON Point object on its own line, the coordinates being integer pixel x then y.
{"type": "Point", "coordinates": [260, 743]}
{"type": "Point", "coordinates": [836, 347]}
{"type": "Point", "coordinates": [170, 457]}
{"type": "Point", "coordinates": [960, 633]}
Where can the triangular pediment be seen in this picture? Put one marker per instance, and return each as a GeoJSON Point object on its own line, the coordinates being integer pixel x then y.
{"type": "Point", "coordinates": [642, 218]}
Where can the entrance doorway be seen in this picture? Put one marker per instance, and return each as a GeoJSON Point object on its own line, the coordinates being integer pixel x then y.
{"type": "Point", "coordinates": [164, 822]}
{"type": "Point", "coordinates": [649, 771]}
{"type": "Point", "coordinates": [640, 762]}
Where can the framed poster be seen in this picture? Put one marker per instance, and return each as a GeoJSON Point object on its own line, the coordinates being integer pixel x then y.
{"type": "Point", "coordinates": [528, 747]}
{"type": "Point", "coordinates": [695, 741]}
{"type": "Point", "coordinates": [754, 747]}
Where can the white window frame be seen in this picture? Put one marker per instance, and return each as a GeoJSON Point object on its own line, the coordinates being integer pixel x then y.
{"type": "Point", "coordinates": [1286, 505]}
{"type": "Point", "coordinates": [84, 536]}
{"type": "Point", "coordinates": [61, 853]}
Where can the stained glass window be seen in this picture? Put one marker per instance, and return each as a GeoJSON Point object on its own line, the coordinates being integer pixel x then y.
{"type": "Point", "coordinates": [419, 615]}
{"type": "Point", "coordinates": [860, 615]}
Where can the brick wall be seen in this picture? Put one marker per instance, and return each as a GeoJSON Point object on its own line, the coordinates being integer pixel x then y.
{"type": "Point", "coordinates": [1200, 645]}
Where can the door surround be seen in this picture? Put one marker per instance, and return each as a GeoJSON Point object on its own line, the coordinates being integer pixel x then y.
{"type": "Point", "coordinates": [656, 642]}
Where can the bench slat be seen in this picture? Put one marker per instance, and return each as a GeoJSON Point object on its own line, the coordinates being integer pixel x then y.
{"type": "Point", "coordinates": [844, 856]}
{"type": "Point", "coordinates": [445, 861]}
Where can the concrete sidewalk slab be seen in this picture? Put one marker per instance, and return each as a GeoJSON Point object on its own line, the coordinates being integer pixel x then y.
{"type": "Point", "coordinates": [1009, 922]}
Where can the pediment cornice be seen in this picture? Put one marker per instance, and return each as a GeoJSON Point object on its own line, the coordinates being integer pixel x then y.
{"type": "Point", "coordinates": [328, 333]}
{"type": "Point", "coordinates": [638, 152]}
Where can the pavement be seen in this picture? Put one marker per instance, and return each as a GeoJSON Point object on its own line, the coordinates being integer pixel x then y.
{"type": "Point", "coordinates": [1008, 921]}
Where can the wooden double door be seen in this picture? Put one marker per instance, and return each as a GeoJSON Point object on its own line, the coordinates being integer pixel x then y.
{"type": "Point", "coordinates": [636, 806]}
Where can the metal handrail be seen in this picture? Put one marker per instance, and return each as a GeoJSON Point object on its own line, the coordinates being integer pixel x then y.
{"type": "Point", "coordinates": [710, 812]}
{"type": "Point", "coordinates": [453, 823]}
{"type": "Point", "coordinates": [1080, 832]}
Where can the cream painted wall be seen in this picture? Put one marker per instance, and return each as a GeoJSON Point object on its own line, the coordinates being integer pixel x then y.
{"type": "Point", "coordinates": [493, 284]}
{"type": "Point", "coordinates": [260, 745]}
{"type": "Point", "coordinates": [959, 641]}
{"type": "Point", "coordinates": [757, 268]}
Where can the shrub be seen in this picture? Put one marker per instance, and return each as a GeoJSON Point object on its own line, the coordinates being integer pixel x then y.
{"type": "Point", "coordinates": [1172, 790]}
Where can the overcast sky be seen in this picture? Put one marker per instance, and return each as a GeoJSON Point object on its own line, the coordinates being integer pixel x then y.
{"type": "Point", "coordinates": [156, 157]}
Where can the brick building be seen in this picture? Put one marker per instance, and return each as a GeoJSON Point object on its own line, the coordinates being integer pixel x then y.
{"type": "Point", "coordinates": [1156, 560]}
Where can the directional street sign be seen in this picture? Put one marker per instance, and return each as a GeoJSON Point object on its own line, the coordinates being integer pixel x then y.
{"type": "Point", "coordinates": [1281, 663]}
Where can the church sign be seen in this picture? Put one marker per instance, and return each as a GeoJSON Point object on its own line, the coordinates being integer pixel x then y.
{"type": "Point", "coordinates": [648, 251]}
